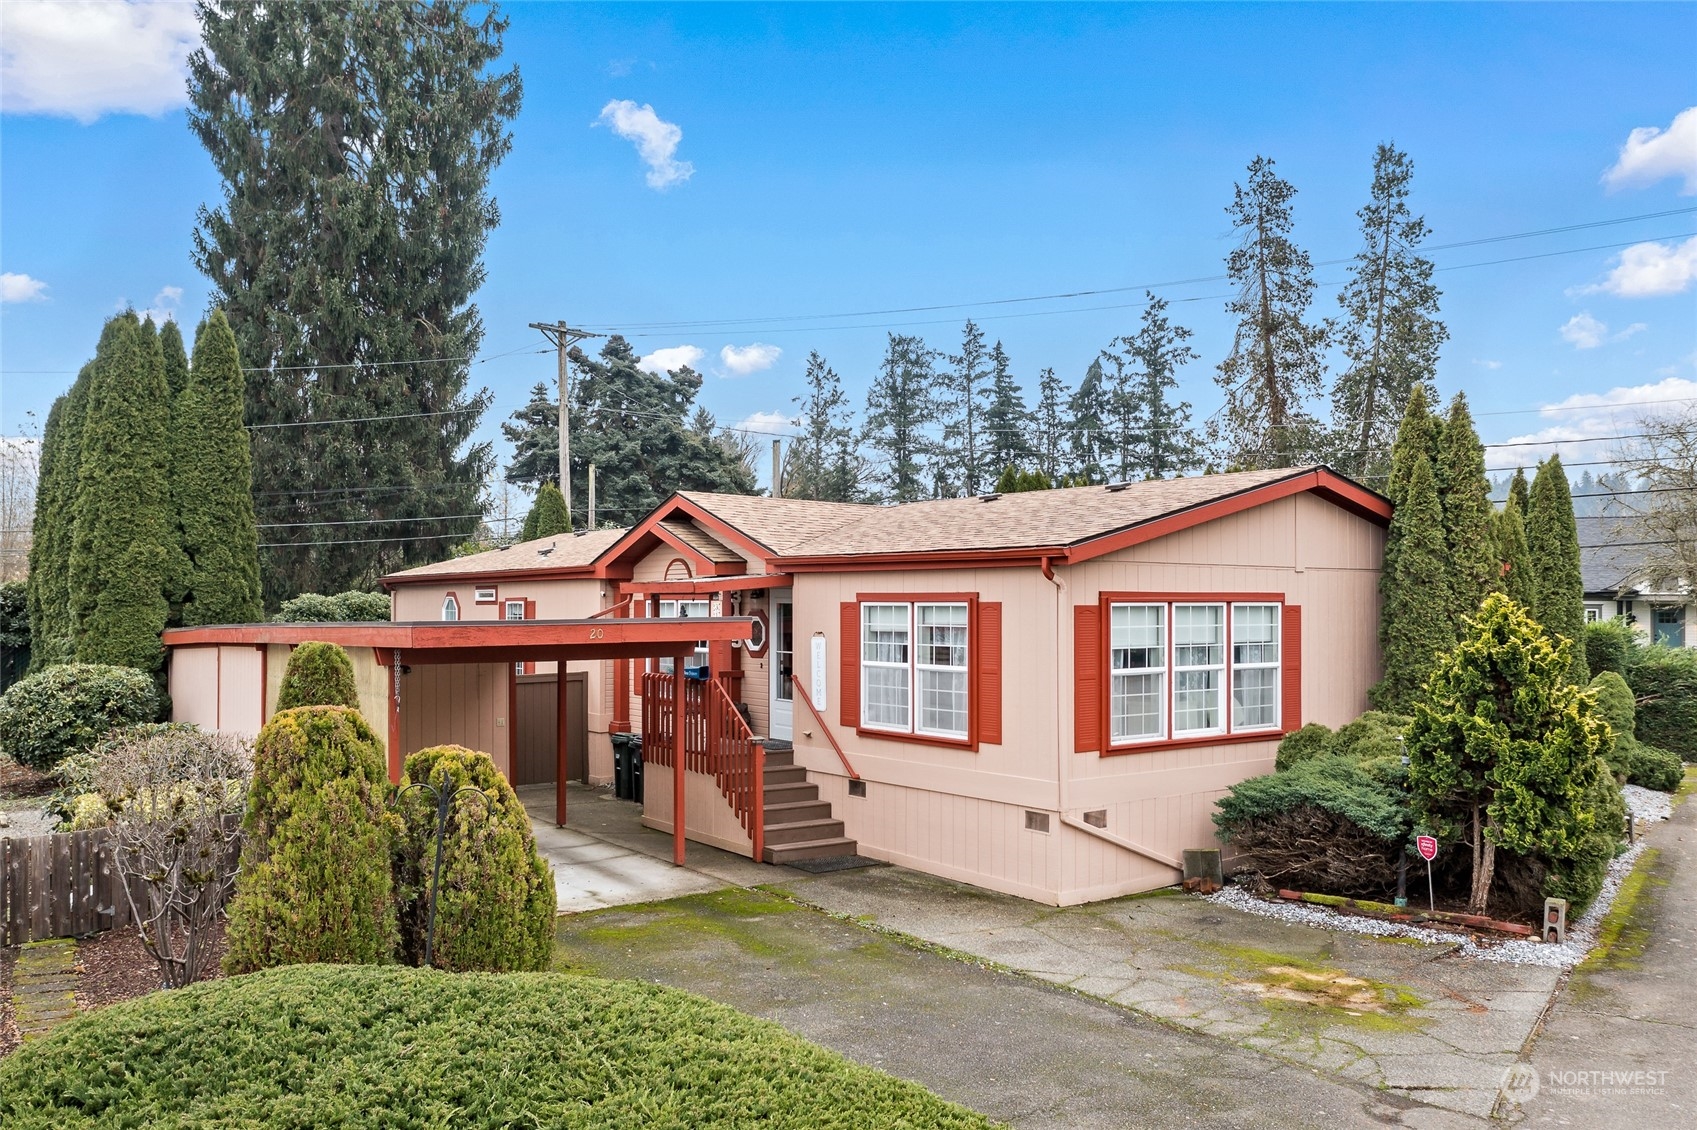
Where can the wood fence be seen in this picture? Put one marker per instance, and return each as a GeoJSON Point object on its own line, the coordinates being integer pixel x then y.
{"type": "Point", "coordinates": [63, 885]}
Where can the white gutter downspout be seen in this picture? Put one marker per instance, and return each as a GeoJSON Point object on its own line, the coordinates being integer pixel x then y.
{"type": "Point", "coordinates": [1063, 763]}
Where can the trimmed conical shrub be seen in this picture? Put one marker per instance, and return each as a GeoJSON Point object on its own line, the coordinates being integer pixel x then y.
{"type": "Point", "coordinates": [1469, 530]}
{"type": "Point", "coordinates": [49, 587]}
{"type": "Point", "coordinates": [315, 882]}
{"type": "Point", "coordinates": [211, 483]}
{"type": "Point", "coordinates": [1520, 580]}
{"type": "Point", "coordinates": [318, 674]}
{"type": "Point", "coordinates": [125, 542]}
{"type": "Point", "coordinates": [495, 907]}
{"type": "Point", "coordinates": [548, 515]}
{"type": "Point", "coordinates": [176, 360]}
{"type": "Point", "coordinates": [1553, 539]}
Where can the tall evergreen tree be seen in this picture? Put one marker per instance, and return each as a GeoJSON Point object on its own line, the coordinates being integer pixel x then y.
{"type": "Point", "coordinates": [1552, 537]}
{"type": "Point", "coordinates": [1120, 423]}
{"type": "Point", "coordinates": [176, 360]}
{"type": "Point", "coordinates": [1049, 426]}
{"type": "Point", "coordinates": [1276, 363]}
{"type": "Point", "coordinates": [1519, 578]}
{"type": "Point", "coordinates": [355, 142]}
{"type": "Point", "coordinates": [1162, 441]}
{"type": "Point", "coordinates": [1418, 433]}
{"type": "Point", "coordinates": [534, 432]}
{"type": "Point", "coordinates": [1008, 423]}
{"type": "Point", "coordinates": [49, 585]}
{"type": "Point", "coordinates": [122, 551]}
{"type": "Point", "coordinates": [547, 515]}
{"type": "Point", "coordinates": [1091, 410]}
{"type": "Point", "coordinates": [212, 483]}
{"type": "Point", "coordinates": [1519, 492]}
{"type": "Point", "coordinates": [1390, 332]}
{"type": "Point", "coordinates": [963, 401]}
{"type": "Point", "coordinates": [1469, 530]}
{"type": "Point", "coordinates": [637, 428]}
{"type": "Point", "coordinates": [1414, 628]}
{"type": "Point", "coordinates": [823, 463]}
{"type": "Point", "coordinates": [900, 409]}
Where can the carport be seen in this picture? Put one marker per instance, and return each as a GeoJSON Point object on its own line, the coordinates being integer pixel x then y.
{"type": "Point", "coordinates": [226, 677]}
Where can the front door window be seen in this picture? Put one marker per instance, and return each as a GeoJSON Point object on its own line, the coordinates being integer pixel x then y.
{"type": "Point", "coordinates": [1670, 626]}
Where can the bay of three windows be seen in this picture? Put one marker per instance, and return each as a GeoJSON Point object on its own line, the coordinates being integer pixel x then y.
{"type": "Point", "coordinates": [1169, 667]}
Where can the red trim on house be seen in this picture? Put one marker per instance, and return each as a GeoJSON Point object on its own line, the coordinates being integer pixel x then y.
{"type": "Point", "coordinates": [765, 635]}
{"type": "Point", "coordinates": [512, 639]}
{"type": "Point", "coordinates": [459, 607]}
{"type": "Point", "coordinates": [554, 573]}
{"type": "Point", "coordinates": [495, 599]}
{"type": "Point", "coordinates": [1087, 670]}
{"type": "Point", "coordinates": [703, 585]}
{"type": "Point", "coordinates": [1273, 735]}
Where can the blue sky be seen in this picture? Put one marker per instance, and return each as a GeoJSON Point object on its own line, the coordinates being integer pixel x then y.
{"type": "Point", "coordinates": [816, 159]}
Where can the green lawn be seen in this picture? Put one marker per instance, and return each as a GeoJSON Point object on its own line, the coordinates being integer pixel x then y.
{"type": "Point", "coordinates": [321, 1045]}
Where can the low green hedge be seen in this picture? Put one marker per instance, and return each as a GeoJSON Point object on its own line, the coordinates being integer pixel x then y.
{"type": "Point", "coordinates": [66, 709]}
{"type": "Point", "coordinates": [333, 1046]}
{"type": "Point", "coordinates": [1665, 681]}
{"type": "Point", "coordinates": [342, 607]}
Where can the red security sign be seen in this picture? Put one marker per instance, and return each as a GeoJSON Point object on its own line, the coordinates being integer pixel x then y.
{"type": "Point", "coordinates": [1427, 846]}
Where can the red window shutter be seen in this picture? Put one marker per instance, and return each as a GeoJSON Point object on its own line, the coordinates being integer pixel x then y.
{"type": "Point", "coordinates": [990, 672]}
{"type": "Point", "coordinates": [848, 693]}
{"type": "Point", "coordinates": [530, 610]}
{"type": "Point", "coordinates": [1087, 663]}
{"type": "Point", "coordinates": [1290, 656]}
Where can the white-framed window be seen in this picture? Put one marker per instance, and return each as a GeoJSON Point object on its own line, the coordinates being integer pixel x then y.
{"type": "Point", "coordinates": [688, 610]}
{"type": "Point", "coordinates": [1255, 667]}
{"type": "Point", "coordinates": [450, 607]}
{"type": "Point", "coordinates": [1137, 668]}
{"type": "Point", "coordinates": [1170, 664]}
{"type": "Point", "coordinates": [484, 595]}
{"type": "Point", "coordinates": [1199, 669]}
{"type": "Point", "coordinates": [914, 674]}
{"type": "Point", "coordinates": [1593, 613]}
{"type": "Point", "coordinates": [514, 610]}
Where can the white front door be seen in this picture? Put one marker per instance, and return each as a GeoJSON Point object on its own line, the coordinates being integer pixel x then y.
{"type": "Point", "coordinates": [781, 664]}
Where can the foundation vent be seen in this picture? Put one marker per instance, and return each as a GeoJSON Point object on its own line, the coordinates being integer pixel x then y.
{"type": "Point", "coordinates": [1036, 821]}
{"type": "Point", "coordinates": [857, 788]}
{"type": "Point", "coordinates": [1097, 818]}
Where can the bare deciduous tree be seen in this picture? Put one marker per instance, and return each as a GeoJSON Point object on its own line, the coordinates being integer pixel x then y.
{"type": "Point", "coordinates": [1664, 516]}
{"type": "Point", "coordinates": [20, 465]}
{"type": "Point", "coordinates": [176, 795]}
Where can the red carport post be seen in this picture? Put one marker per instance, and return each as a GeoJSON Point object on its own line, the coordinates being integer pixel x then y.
{"type": "Point", "coordinates": [678, 725]}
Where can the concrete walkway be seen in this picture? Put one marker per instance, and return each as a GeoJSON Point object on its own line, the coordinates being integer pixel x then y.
{"type": "Point", "coordinates": [1007, 1046]}
{"type": "Point", "coordinates": [1616, 1051]}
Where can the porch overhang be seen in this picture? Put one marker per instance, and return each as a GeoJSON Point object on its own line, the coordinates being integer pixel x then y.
{"type": "Point", "coordinates": [744, 582]}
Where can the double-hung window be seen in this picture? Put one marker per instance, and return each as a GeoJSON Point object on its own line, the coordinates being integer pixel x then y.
{"type": "Point", "coordinates": [914, 669]}
{"type": "Point", "coordinates": [1192, 669]}
{"type": "Point", "coordinates": [685, 609]}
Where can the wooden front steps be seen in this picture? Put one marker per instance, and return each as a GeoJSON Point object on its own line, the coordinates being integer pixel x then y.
{"type": "Point", "coordinates": [798, 824]}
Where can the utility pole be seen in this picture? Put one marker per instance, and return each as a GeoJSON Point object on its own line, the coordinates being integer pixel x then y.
{"type": "Point", "coordinates": [777, 465]}
{"type": "Point", "coordinates": [563, 338]}
{"type": "Point", "coordinates": [592, 496]}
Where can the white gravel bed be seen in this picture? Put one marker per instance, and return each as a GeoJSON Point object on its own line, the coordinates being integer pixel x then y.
{"type": "Point", "coordinates": [1650, 807]}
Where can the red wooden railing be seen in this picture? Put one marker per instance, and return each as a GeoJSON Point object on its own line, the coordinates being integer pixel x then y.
{"type": "Point", "coordinates": [825, 727]}
{"type": "Point", "coordinates": [716, 741]}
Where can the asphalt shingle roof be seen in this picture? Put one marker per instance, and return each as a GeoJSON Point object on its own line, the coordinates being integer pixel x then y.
{"type": "Point", "coordinates": [561, 551]}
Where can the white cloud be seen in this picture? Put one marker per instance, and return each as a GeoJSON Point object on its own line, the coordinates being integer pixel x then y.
{"type": "Point", "coordinates": [763, 422]}
{"type": "Point", "coordinates": [84, 59]}
{"type": "Point", "coordinates": [1582, 331]}
{"type": "Point", "coordinates": [21, 288]}
{"type": "Point", "coordinates": [168, 294]}
{"type": "Point", "coordinates": [1652, 154]}
{"type": "Point", "coordinates": [663, 361]}
{"type": "Point", "coordinates": [1651, 270]}
{"type": "Point", "coordinates": [656, 140]}
{"type": "Point", "coordinates": [163, 308]}
{"type": "Point", "coordinates": [741, 360]}
{"type": "Point", "coordinates": [1493, 366]}
{"type": "Point", "coordinates": [1584, 427]}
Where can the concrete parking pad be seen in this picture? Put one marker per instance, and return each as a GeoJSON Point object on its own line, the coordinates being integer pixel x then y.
{"type": "Point", "coordinates": [1393, 1014]}
{"type": "Point", "coordinates": [1005, 1045]}
{"type": "Point", "coordinates": [591, 871]}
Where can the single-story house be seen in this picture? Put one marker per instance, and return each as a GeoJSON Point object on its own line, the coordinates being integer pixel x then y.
{"type": "Point", "coordinates": [1039, 693]}
{"type": "Point", "coordinates": [1616, 581]}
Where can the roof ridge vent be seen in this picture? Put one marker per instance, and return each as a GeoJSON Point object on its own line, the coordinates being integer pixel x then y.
{"type": "Point", "coordinates": [1115, 488]}
{"type": "Point", "coordinates": [991, 497]}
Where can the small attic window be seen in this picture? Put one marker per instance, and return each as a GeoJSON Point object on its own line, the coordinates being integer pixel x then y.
{"type": "Point", "coordinates": [485, 596]}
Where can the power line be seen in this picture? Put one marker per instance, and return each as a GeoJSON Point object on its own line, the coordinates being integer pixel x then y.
{"type": "Point", "coordinates": [364, 541]}
{"type": "Point", "coordinates": [369, 521]}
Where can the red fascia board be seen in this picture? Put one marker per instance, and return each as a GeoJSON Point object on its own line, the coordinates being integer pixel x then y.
{"type": "Point", "coordinates": [658, 635]}
{"type": "Point", "coordinates": [697, 585]}
{"type": "Point", "coordinates": [615, 562]}
{"type": "Point", "coordinates": [560, 573]}
{"type": "Point", "coordinates": [933, 559]}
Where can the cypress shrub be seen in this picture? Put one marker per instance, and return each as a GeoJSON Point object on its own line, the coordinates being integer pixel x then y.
{"type": "Point", "coordinates": [1553, 538]}
{"type": "Point", "coordinates": [495, 908]}
{"type": "Point", "coordinates": [314, 883]}
{"type": "Point", "coordinates": [1614, 703]}
{"type": "Point", "coordinates": [67, 708]}
{"type": "Point", "coordinates": [1519, 578]}
{"type": "Point", "coordinates": [1577, 874]}
{"type": "Point", "coordinates": [1609, 646]}
{"type": "Point", "coordinates": [1468, 517]}
{"type": "Point", "coordinates": [1665, 678]}
{"type": "Point", "coordinates": [176, 360]}
{"type": "Point", "coordinates": [1414, 626]}
{"type": "Point", "coordinates": [1301, 745]}
{"type": "Point", "coordinates": [318, 674]}
{"type": "Point", "coordinates": [316, 608]}
{"type": "Point", "coordinates": [548, 515]}
{"type": "Point", "coordinates": [124, 548]}
{"type": "Point", "coordinates": [1654, 768]}
{"type": "Point", "coordinates": [212, 483]}
{"type": "Point", "coordinates": [54, 527]}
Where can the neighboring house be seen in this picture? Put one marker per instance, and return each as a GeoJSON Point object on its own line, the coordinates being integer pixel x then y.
{"type": "Point", "coordinates": [1040, 693]}
{"type": "Point", "coordinates": [1613, 573]}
